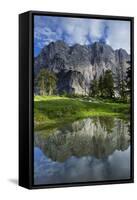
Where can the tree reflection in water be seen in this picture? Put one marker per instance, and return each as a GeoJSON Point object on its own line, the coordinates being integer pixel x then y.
{"type": "Point", "coordinates": [92, 148]}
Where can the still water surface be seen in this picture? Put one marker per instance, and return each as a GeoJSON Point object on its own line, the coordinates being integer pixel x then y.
{"type": "Point", "coordinates": [92, 149]}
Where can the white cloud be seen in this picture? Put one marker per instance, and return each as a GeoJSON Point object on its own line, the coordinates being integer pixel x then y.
{"type": "Point", "coordinates": [95, 29]}
{"type": "Point", "coordinates": [82, 31]}
{"type": "Point", "coordinates": [119, 34]}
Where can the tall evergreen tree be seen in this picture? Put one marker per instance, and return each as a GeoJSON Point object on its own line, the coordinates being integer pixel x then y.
{"type": "Point", "coordinates": [128, 76]}
{"type": "Point", "coordinates": [41, 82]}
{"type": "Point", "coordinates": [104, 86]}
{"type": "Point", "coordinates": [46, 82]}
{"type": "Point", "coordinates": [108, 84]}
{"type": "Point", "coordinates": [100, 86]}
{"type": "Point", "coordinates": [94, 88]}
{"type": "Point", "coordinates": [122, 81]}
{"type": "Point", "coordinates": [51, 83]}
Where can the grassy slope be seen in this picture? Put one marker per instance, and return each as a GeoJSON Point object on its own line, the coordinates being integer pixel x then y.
{"type": "Point", "coordinates": [52, 111]}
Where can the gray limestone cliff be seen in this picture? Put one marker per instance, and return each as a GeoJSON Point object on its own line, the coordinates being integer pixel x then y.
{"type": "Point", "coordinates": [77, 65]}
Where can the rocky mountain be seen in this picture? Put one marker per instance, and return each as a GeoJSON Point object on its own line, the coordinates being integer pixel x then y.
{"type": "Point", "coordinates": [77, 65]}
{"type": "Point", "coordinates": [98, 137]}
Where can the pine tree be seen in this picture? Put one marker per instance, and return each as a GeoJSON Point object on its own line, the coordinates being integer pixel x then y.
{"type": "Point", "coordinates": [100, 86]}
{"type": "Point", "coordinates": [121, 82]}
{"type": "Point", "coordinates": [94, 88]}
{"type": "Point", "coordinates": [128, 76]}
{"type": "Point", "coordinates": [46, 82]}
{"type": "Point", "coordinates": [41, 82]}
{"type": "Point", "coordinates": [51, 83]}
{"type": "Point", "coordinates": [108, 84]}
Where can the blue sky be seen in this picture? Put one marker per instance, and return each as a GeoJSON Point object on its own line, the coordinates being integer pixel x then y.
{"type": "Point", "coordinates": [83, 31]}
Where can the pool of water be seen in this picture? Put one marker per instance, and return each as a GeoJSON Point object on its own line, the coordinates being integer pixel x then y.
{"type": "Point", "coordinates": [92, 149]}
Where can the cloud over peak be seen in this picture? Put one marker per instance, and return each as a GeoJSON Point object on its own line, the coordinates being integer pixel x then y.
{"type": "Point", "coordinates": [80, 30]}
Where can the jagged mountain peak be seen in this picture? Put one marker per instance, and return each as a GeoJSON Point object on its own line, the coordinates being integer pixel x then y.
{"type": "Point", "coordinates": [80, 62]}
{"type": "Point", "coordinates": [58, 43]}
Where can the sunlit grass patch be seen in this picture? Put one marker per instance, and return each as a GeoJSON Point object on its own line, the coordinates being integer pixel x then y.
{"type": "Point", "coordinates": [50, 111]}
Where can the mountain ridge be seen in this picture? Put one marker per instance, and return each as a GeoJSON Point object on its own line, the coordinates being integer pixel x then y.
{"type": "Point", "coordinates": [78, 65]}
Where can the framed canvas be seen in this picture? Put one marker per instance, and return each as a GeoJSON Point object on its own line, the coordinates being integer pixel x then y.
{"type": "Point", "coordinates": [76, 93]}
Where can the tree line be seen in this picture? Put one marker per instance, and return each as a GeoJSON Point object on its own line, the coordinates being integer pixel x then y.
{"type": "Point", "coordinates": [111, 86]}
{"type": "Point", "coordinates": [45, 82]}
{"type": "Point", "coordinates": [103, 87]}
{"type": "Point", "coordinates": [108, 85]}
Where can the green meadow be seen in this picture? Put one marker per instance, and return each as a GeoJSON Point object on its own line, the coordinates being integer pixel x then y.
{"type": "Point", "coordinates": [54, 111]}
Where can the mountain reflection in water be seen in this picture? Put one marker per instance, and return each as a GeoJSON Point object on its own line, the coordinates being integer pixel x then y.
{"type": "Point", "coordinates": [92, 149]}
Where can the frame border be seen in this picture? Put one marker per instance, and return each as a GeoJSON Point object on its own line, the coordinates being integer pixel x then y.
{"type": "Point", "coordinates": [31, 98]}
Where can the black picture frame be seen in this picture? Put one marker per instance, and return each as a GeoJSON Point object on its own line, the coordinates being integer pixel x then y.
{"type": "Point", "coordinates": [26, 76]}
